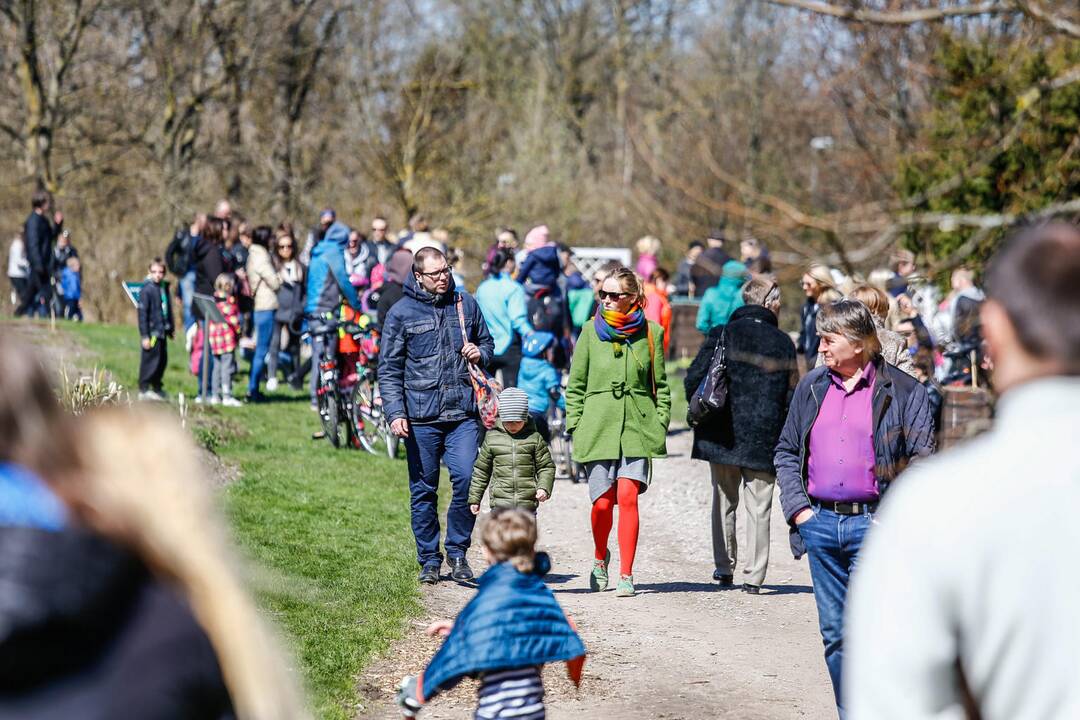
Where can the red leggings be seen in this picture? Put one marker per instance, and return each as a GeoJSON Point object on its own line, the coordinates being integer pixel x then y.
{"type": "Point", "coordinates": [625, 492]}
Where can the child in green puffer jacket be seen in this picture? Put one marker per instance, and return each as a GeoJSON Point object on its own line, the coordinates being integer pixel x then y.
{"type": "Point", "coordinates": [514, 459]}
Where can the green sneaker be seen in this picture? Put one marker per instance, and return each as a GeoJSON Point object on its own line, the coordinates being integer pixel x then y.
{"type": "Point", "coordinates": [598, 578]}
{"type": "Point", "coordinates": [625, 587]}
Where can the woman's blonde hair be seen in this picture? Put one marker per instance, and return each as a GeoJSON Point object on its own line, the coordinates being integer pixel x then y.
{"type": "Point", "coordinates": [630, 283]}
{"type": "Point", "coordinates": [822, 276]}
{"type": "Point", "coordinates": [509, 534]}
{"type": "Point", "coordinates": [142, 486]}
{"type": "Point", "coordinates": [224, 284]}
{"type": "Point", "coordinates": [648, 245]}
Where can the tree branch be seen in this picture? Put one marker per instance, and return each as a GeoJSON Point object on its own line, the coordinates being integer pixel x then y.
{"type": "Point", "coordinates": [897, 17]}
{"type": "Point", "coordinates": [1035, 9]}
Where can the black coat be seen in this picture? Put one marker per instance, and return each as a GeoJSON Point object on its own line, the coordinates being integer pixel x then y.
{"type": "Point", "coordinates": [808, 336]}
{"type": "Point", "coordinates": [762, 372]}
{"type": "Point", "coordinates": [155, 314]}
{"type": "Point", "coordinates": [39, 234]}
{"type": "Point", "coordinates": [86, 632]}
{"type": "Point", "coordinates": [210, 261]}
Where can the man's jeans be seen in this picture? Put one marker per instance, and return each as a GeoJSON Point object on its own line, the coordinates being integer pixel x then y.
{"type": "Point", "coordinates": [264, 331]}
{"type": "Point", "coordinates": [833, 542]}
{"type": "Point", "coordinates": [187, 296]}
{"type": "Point", "coordinates": [457, 443]}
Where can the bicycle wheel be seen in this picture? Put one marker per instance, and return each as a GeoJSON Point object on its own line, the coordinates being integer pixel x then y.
{"type": "Point", "coordinates": [389, 439]}
{"type": "Point", "coordinates": [366, 417]}
{"type": "Point", "coordinates": [328, 413]}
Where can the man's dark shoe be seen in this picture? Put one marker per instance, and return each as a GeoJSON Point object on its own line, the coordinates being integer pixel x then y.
{"type": "Point", "coordinates": [429, 574]}
{"type": "Point", "coordinates": [460, 570]}
{"type": "Point", "coordinates": [752, 589]}
{"type": "Point", "coordinates": [724, 580]}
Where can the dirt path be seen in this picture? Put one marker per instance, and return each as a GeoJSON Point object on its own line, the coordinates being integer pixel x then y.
{"type": "Point", "coordinates": [683, 648]}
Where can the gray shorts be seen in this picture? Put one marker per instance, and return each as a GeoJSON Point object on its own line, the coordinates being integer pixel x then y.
{"type": "Point", "coordinates": [602, 474]}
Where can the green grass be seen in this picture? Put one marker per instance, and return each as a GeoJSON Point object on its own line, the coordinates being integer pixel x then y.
{"type": "Point", "coordinates": [330, 527]}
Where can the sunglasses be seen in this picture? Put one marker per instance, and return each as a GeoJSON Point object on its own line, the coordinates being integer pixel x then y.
{"type": "Point", "coordinates": [605, 295]}
{"type": "Point", "coordinates": [439, 273]}
{"type": "Point", "coordinates": [285, 246]}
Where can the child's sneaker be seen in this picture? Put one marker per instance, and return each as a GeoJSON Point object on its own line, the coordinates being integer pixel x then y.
{"type": "Point", "coordinates": [598, 578]}
{"type": "Point", "coordinates": [271, 384]}
{"type": "Point", "coordinates": [625, 588]}
{"type": "Point", "coordinates": [230, 401]}
{"type": "Point", "coordinates": [215, 400]}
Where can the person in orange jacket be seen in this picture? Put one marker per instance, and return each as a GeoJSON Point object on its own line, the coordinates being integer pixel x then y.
{"type": "Point", "coordinates": [657, 305]}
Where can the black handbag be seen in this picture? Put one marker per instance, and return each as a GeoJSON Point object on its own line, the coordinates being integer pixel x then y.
{"type": "Point", "coordinates": [712, 394]}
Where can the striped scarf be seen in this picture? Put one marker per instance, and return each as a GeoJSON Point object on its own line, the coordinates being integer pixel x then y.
{"type": "Point", "coordinates": [614, 326]}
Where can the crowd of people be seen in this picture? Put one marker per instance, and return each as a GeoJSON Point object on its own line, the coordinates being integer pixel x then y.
{"type": "Point", "coordinates": [44, 267]}
{"type": "Point", "coordinates": [832, 417]}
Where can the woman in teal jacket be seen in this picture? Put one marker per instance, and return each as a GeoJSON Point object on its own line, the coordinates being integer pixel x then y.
{"type": "Point", "coordinates": [723, 298]}
{"type": "Point", "coordinates": [618, 405]}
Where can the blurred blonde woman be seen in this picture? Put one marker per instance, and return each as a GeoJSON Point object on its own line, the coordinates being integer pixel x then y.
{"type": "Point", "coordinates": [119, 595]}
{"type": "Point", "coordinates": [820, 289]}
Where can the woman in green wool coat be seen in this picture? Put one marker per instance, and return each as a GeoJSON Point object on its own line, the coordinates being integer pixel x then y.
{"type": "Point", "coordinates": [618, 406]}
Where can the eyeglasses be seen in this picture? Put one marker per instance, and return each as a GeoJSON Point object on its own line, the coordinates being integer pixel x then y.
{"type": "Point", "coordinates": [605, 295]}
{"type": "Point", "coordinates": [438, 273]}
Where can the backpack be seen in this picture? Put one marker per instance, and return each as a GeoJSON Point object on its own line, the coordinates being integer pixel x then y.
{"type": "Point", "coordinates": [712, 394]}
{"type": "Point", "coordinates": [178, 253]}
{"type": "Point", "coordinates": [546, 313]}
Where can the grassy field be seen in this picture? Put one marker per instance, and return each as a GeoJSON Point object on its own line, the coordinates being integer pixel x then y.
{"type": "Point", "coordinates": [330, 529]}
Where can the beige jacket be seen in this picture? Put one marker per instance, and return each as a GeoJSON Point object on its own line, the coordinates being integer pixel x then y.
{"type": "Point", "coordinates": [263, 278]}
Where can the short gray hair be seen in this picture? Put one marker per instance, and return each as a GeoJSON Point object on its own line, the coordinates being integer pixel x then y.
{"type": "Point", "coordinates": [761, 290]}
{"type": "Point", "coordinates": [853, 320]}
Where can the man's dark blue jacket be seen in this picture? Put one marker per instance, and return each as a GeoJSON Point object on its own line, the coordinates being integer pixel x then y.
{"type": "Point", "coordinates": [422, 374]}
{"type": "Point", "coordinates": [903, 429]}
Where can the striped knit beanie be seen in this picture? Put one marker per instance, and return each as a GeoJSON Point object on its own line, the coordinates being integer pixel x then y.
{"type": "Point", "coordinates": [513, 405]}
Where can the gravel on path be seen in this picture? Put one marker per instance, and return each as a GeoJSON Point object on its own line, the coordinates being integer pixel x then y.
{"type": "Point", "coordinates": [683, 648]}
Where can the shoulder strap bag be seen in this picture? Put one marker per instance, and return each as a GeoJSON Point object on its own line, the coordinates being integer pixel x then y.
{"type": "Point", "coordinates": [712, 394]}
{"type": "Point", "coordinates": [485, 388]}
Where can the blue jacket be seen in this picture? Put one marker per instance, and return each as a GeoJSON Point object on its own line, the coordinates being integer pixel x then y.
{"type": "Point", "coordinates": [513, 621]}
{"type": "Point", "coordinates": [71, 284]}
{"type": "Point", "coordinates": [541, 267]}
{"type": "Point", "coordinates": [903, 429]}
{"type": "Point", "coordinates": [327, 279]}
{"type": "Point", "coordinates": [723, 298]}
{"type": "Point", "coordinates": [422, 374]}
{"type": "Point", "coordinates": [537, 377]}
{"type": "Point", "coordinates": [503, 303]}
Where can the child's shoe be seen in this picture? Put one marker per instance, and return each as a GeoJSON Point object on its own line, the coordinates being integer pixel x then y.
{"type": "Point", "coordinates": [598, 578]}
{"type": "Point", "coordinates": [625, 588]}
{"type": "Point", "coordinates": [271, 384]}
{"type": "Point", "coordinates": [215, 400]}
{"type": "Point", "coordinates": [230, 401]}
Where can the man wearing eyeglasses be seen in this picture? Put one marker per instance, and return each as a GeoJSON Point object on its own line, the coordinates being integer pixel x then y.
{"type": "Point", "coordinates": [429, 400]}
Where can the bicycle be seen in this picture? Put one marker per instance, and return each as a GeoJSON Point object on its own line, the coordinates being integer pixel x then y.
{"type": "Point", "coordinates": [335, 407]}
{"type": "Point", "coordinates": [372, 429]}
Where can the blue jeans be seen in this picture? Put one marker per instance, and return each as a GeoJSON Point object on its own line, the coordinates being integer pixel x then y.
{"type": "Point", "coordinates": [187, 292]}
{"type": "Point", "coordinates": [456, 443]}
{"type": "Point", "coordinates": [833, 542]}
{"type": "Point", "coordinates": [264, 330]}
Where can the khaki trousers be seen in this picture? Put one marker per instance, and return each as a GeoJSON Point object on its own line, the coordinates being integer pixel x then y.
{"type": "Point", "coordinates": [756, 488]}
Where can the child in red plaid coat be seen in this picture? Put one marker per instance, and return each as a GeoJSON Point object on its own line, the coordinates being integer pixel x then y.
{"type": "Point", "coordinates": [223, 337]}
